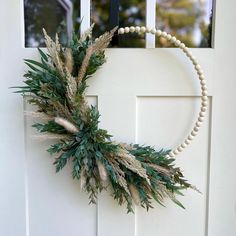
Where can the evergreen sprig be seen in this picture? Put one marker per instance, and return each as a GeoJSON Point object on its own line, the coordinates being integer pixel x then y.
{"type": "Point", "coordinates": [136, 174]}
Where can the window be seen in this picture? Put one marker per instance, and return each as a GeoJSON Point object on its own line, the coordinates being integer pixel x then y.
{"type": "Point", "coordinates": [108, 13]}
{"type": "Point", "coordinates": [189, 20]}
{"type": "Point", "coordinates": [56, 16]}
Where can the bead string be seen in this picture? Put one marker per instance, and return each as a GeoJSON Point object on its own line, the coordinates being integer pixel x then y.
{"type": "Point", "coordinates": [200, 74]}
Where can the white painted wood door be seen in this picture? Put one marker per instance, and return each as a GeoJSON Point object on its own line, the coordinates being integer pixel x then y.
{"type": "Point", "coordinates": [148, 96]}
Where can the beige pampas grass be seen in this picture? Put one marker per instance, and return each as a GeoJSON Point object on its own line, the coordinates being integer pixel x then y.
{"type": "Point", "coordinates": [85, 64]}
{"type": "Point", "coordinates": [54, 49]}
{"type": "Point", "coordinates": [61, 110]}
{"type": "Point", "coordinates": [48, 136]}
{"type": "Point", "coordinates": [103, 41]}
{"type": "Point", "coordinates": [82, 179]}
{"type": "Point", "coordinates": [69, 62]}
{"type": "Point", "coordinates": [128, 160]}
{"type": "Point", "coordinates": [119, 173]}
{"type": "Point", "coordinates": [102, 171]}
{"type": "Point", "coordinates": [162, 170]}
{"type": "Point", "coordinates": [39, 115]}
{"type": "Point", "coordinates": [71, 88]}
{"type": "Point", "coordinates": [66, 124]}
{"type": "Point", "coordinates": [87, 33]}
{"type": "Point", "coordinates": [134, 194]}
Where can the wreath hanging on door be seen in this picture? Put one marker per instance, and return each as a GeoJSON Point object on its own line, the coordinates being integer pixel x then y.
{"type": "Point", "coordinates": [57, 85]}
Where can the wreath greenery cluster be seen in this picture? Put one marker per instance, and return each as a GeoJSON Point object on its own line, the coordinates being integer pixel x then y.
{"type": "Point", "coordinates": [56, 85]}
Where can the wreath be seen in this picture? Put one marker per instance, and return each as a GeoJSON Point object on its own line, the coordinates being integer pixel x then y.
{"type": "Point", "coordinates": [135, 173]}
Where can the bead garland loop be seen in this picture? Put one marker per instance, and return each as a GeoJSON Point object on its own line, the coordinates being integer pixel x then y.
{"type": "Point", "coordinates": [198, 69]}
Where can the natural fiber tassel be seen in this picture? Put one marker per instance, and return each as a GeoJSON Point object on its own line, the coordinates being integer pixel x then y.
{"type": "Point", "coordinates": [134, 194]}
{"type": "Point", "coordinates": [69, 63]}
{"type": "Point", "coordinates": [82, 179]}
{"type": "Point", "coordinates": [66, 124]}
{"type": "Point", "coordinates": [102, 171]}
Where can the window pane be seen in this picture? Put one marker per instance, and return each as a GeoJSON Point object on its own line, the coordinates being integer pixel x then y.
{"type": "Point", "coordinates": [54, 15]}
{"type": "Point", "coordinates": [189, 20]}
{"type": "Point", "coordinates": [130, 13]}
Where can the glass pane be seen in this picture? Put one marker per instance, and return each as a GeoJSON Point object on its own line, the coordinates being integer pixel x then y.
{"type": "Point", "coordinates": [189, 20]}
{"type": "Point", "coordinates": [130, 13]}
{"type": "Point", "coordinates": [55, 16]}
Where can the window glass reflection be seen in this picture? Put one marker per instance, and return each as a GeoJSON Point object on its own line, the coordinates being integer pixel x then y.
{"type": "Point", "coordinates": [188, 20]}
{"type": "Point", "coordinates": [56, 16]}
{"type": "Point", "coordinates": [129, 13]}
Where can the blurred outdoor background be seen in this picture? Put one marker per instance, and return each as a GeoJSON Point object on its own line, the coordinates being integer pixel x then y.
{"type": "Point", "coordinates": [189, 20]}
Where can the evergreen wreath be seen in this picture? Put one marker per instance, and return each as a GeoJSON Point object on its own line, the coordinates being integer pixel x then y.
{"type": "Point", "coordinates": [56, 85]}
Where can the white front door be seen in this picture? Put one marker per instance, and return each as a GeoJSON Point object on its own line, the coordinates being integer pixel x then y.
{"type": "Point", "coordinates": [149, 96]}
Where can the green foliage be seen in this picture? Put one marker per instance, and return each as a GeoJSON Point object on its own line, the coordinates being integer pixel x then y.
{"type": "Point", "coordinates": [130, 169]}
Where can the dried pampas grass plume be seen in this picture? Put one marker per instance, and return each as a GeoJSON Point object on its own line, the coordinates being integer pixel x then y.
{"type": "Point", "coordinates": [103, 41]}
{"type": "Point", "coordinates": [48, 136]}
{"type": "Point", "coordinates": [54, 49]}
{"type": "Point", "coordinates": [102, 171]}
{"type": "Point", "coordinates": [39, 115]}
{"type": "Point", "coordinates": [85, 64]}
{"type": "Point", "coordinates": [135, 194]}
{"type": "Point", "coordinates": [87, 33]}
{"type": "Point", "coordinates": [66, 124]}
{"type": "Point", "coordinates": [69, 62]}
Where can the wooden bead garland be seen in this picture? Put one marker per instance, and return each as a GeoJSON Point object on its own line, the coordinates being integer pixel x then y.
{"type": "Point", "coordinates": [198, 69]}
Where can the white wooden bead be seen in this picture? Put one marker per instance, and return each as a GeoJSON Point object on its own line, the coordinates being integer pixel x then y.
{"type": "Point", "coordinates": [201, 77]}
{"type": "Point", "coordinates": [204, 98]}
{"type": "Point", "coordinates": [198, 124]}
{"type": "Point", "coordinates": [196, 129]}
{"type": "Point", "coordinates": [204, 87]}
{"type": "Point", "coordinates": [200, 119]}
{"type": "Point", "coordinates": [183, 145]}
{"type": "Point", "coordinates": [197, 67]}
{"type": "Point", "coordinates": [186, 50]}
{"type": "Point", "coordinates": [173, 39]}
{"type": "Point", "coordinates": [148, 29]}
{"type": "Point", "coordinates": [176, 152]}
{"type": "Point", "coordinates": [194, 133]}
{"type": "Point", "coordinates": [189, 54]}
{"type": "Point", "coordinates": [193, 59]}
{"type": "Point", "coordinates": [143, 29]}
{"type": "Point", "coordinates": [164, 34]}
{"type": "Point", "coordinates": [200, 72]}
{"type": "Point", "coordinates": [121, 31]}
{"type": "Point", "coordinates": [203, 109]}
{"type": "Point", "coordinates": [182, 45]}
{"type": "Point", "coordinates": [132, 29]}
{"type": "Point", "coordinates": [126, 30]}
{"type": "Point", "coordinates": [168, 36]}
{"type": "Point", "coordinates": [204, 103]}
{"type": "Point", "coordinates": [171, 154]}
{"type": "Point", "coordinates": [180, 149]}
{"type": "Point", "coordinates": [187, 142]}
{"type": "Point", "coordinates": [177, 42]}
{"type": "Point", "coordinates": [137, 29]}
{"type": "Point", "coordinates": [204, 93]}
{"type": "Point", "coordinates": [159, 32]}
{"type": "Point", "coordinates": [202, 114]}
{"type": "Point", "coordinates": [203, 82]}
{"type": "Point", "coordinates": [190, 137]}
{"type": "Point", "coordinates": [153, 30]}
